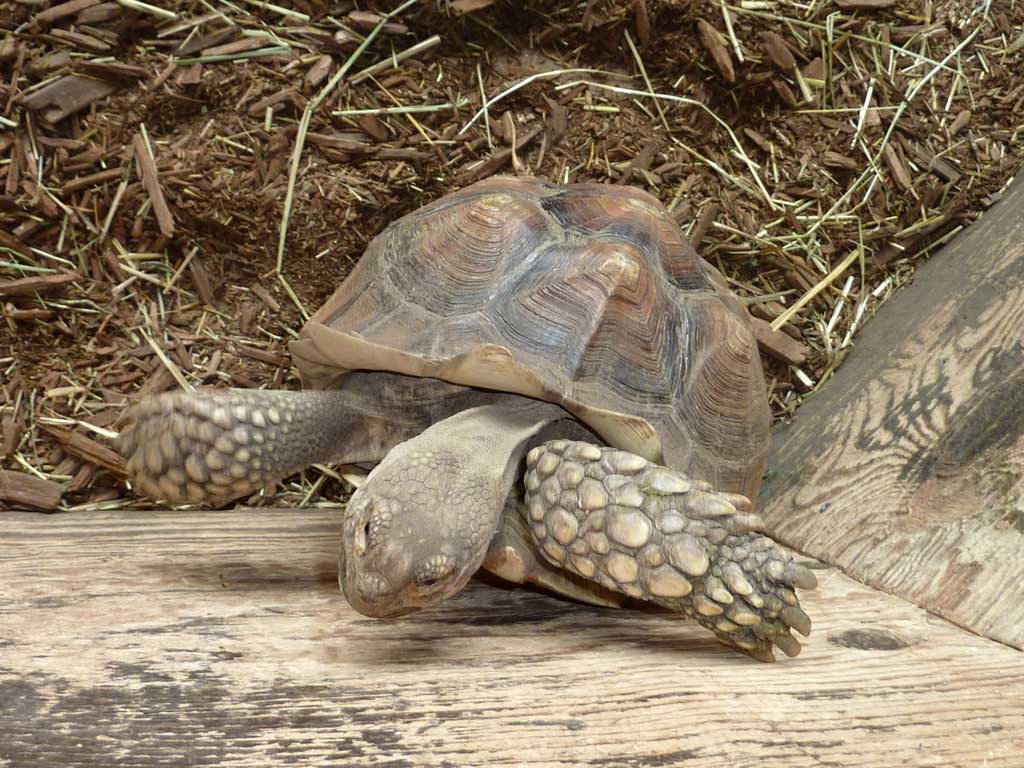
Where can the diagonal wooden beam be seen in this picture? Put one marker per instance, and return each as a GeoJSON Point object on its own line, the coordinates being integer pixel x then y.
{"type": "Point", "coordinates": [907, 470]}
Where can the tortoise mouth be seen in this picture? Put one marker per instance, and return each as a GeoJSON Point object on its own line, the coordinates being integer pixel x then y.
{"type": "Point", "coordinates": [366, 596]}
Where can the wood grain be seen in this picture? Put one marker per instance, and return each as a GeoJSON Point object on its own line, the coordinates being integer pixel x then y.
{"type": "Point", "coordinates": [221, 638]}
{"type": "Point", "coordinates": [907, 470]}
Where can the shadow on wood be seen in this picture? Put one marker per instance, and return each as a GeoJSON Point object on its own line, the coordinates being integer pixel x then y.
{"type": "Point", "coordinates": [907, 470]}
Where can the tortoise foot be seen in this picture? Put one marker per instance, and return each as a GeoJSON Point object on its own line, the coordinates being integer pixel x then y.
{"type": "Point", "coordinates": [653, 534]}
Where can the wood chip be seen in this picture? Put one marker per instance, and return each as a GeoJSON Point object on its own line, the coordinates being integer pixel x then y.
{"type": "Point", "coordinates": [373, 127]}
{"type": "Point", "coordinates": [319, 71]}
{"type": "Point", "coordinates": [238, 46]}
{"type": "Point", "coordinates": [835, 160]}
{"type": "Point", "coordinates": [785, 92]}
{"type": "Point", "coordinates": [262, 355]}
{"type": "Point", "coordinates": [12, 426]}
{"type": "Point", "coordinates": [284, 95]}
{"type": "Point", "coordinates": [87, 449]}
{"type": "Point", "coordinates": [8, 240]}
{"type": "Point", "coordinates": [496, 161]}
{"type": "Point", "coordinates": [557, 122]}
{"type": "Point", "coordinates": [777, 344]}
{"type": "Point", "coordinates": [900, 171]}
{"type": "Point", "coordinates": [778, 52]}
{"type": "Point", "coordinates": [97, 14]}
{"type": "Point", "coordinates": [67, 96]}
{"type": "Point", "coordinates": [642, 20]}
{"type": "Point", "coordinates": [944, 169]}
{"type": "Point", "coordinates": [77, 39]}
{"type": "Point", "coordinates": [112, 70]}
{"type": "Point", "coordinates": [712, 41]}
{"type": "Point", "coordinates": [269, 301]}
{"type": "Point", "coordinates": [201, 281]}
{"type": "Point", "coordinates": [160, 381]}
{"type": "Point", "coordinates": [959, 122]}
{"type": "Point", "coordinates": [70, 8]}
{"type": "Point", "coordinates": [91, 180]}
{"type": "Point", "coordinates": [146, 166]}
{"type": "Point", "coordinates": [339, 143]}
{"type": "Point", "coordinates": [760, 140]}
{"type": "Point", "coordinates": [30, 286]}
{"type": "Point", "coordinates": [864, 5]}
{"type": "Point", "coordinates": [704, 224]}
{"type": "Point", "coordinates": [82, 478]}
{"type": "Point", "coordinates": [365, 21]}
{"type": "Point", "coordinates": [21, 489]}
{"type": "Point", "coordinates": [462, 7]}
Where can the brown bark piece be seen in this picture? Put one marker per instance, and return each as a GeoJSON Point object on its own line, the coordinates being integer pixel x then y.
{"type": "Point", "coordinates": [87, 449]}
{"type": "Point", "coordinates": [462, 7]}
{"type": "Point", "coordinates": [112, 70]}
{"type": "Point", "coordinates": [777, 344]}
{"type": "Point", "coordinates": [366, 21]}
{"type": "Point", "coordinates": [778, 52]}
{"type": "Point", "coordinates": [97, 14]}
{"type": "Point", "coordinates": [12, 425]}
{"type": "Point", "coordinates": [864, 5]}
{"type": "Point", "coordinates": [29, 286]}
{"type": "Point", "coordinates": [319, 71]}
{"type": "Point", "coordinates": [56, 12]}
{"type": "Point", "coordinates": [8, 240]}
{"type": "Point", "coordinates": [67, 96]}
{"type": "Point", "coordinates": [263, 355]}
{"type": "Point", "coordinates": [835, 160]}
{"type": "Point", "coordinates": [238, 46]}
{"type": "Point", "coordinates": [22, 490]}
{"type": "Point", "coordinates": [712, 42]}
{"type": "Point", "coordinates": [704, 224]}
{"type": "Point", "coordinates": [499, 158]}
{"type": "Point", "coordinates": [79, 40]}
{"type": "Point", "coordinates": [91, 180]}
{"type": "Point", "coordinates": [642, 21]}
{"type": "Point", "coordinates": [201, 280]}
{"type": "Point", "coordinates": [151, 181]}
{"type": "Point", "coordinates": [900, 171]}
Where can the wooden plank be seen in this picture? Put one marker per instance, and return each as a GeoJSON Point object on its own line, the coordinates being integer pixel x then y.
{"type": "Point", "coordinates": [907, 470]}
{"type": "Point", "coordinates": [221, 638]}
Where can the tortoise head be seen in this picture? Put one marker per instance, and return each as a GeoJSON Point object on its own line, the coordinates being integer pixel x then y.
{"type": "Point", "coordinates": [413, 535]}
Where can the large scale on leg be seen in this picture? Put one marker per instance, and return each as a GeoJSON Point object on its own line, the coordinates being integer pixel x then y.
{"type": "Point", "coordinates": [571, 324]}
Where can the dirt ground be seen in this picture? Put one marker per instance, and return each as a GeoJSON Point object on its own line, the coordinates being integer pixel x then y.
{"type": "Point", "coordinates": [815, 152]}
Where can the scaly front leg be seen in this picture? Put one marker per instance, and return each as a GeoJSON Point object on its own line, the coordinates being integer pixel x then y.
{"type": "Point", "coordinates": [651, 533]}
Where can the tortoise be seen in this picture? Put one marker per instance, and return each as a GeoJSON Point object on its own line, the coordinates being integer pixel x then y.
{"type": "Point", "coordinates": [549, 383]}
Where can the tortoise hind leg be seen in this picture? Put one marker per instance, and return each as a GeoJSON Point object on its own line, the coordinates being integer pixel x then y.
{"type": "Point", "coordinates": [215, 445]}
{"type": "Point", "coordinates": [652, 534]}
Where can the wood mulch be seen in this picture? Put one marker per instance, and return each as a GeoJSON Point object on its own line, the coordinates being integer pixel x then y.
{"type": "Point", "coordinates": [180, 185]}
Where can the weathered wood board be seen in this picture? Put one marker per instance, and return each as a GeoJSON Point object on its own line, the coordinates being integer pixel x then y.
{"type": "Point", "coordinates": [221, 638]}
{"type": "Point", "coordinates": [907, 470]}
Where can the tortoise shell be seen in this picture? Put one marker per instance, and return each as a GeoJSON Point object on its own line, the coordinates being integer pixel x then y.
{"type": "Point", "coordinates": [585, 295]}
